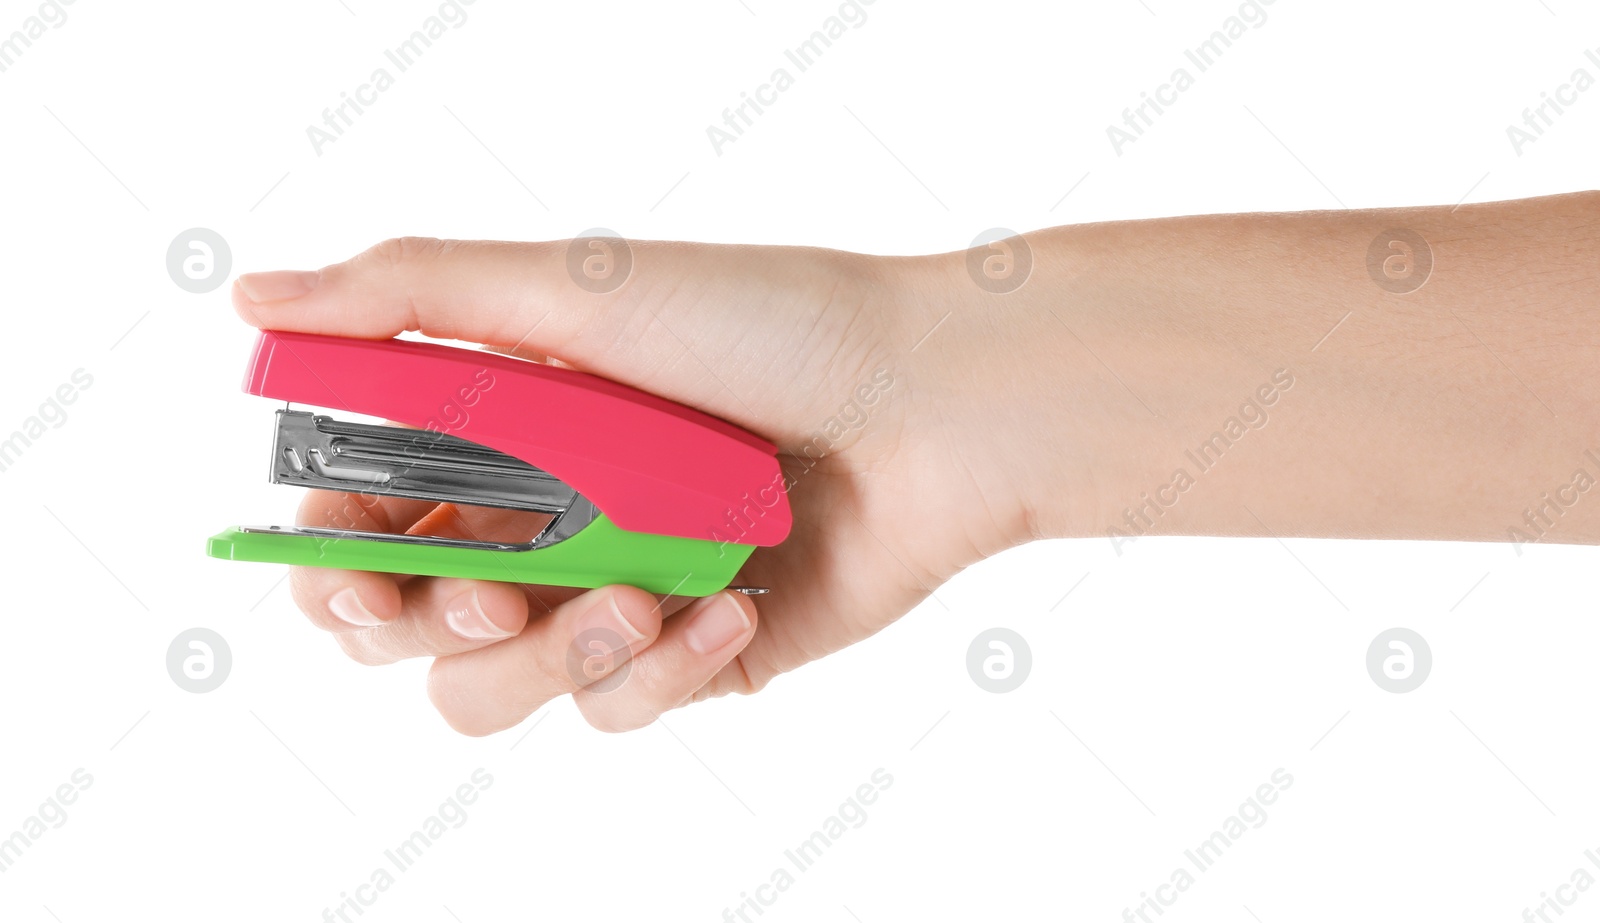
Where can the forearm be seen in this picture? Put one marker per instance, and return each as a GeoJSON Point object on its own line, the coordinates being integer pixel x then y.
{"type": "Point", "coordinates": [1246, 375]}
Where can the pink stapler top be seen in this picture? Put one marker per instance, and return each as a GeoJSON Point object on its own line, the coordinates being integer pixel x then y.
{"type": "Point", "coordinates": [649, 464]}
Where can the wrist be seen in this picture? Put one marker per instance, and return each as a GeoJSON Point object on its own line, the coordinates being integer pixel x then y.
{"type": "Point", "coordinates": [986, 404]}
{"type": "Point", "coordinates": [1043, 390]}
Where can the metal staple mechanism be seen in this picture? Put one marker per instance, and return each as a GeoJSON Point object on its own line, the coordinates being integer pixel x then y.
{"type": "Point", "coordinates": [317, 451]}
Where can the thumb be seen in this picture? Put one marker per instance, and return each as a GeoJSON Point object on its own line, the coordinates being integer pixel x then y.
{"type": "Point", "coordinates": [515, 296]}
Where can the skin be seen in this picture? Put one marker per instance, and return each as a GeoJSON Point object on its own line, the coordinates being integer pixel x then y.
{"type": "Point", "coordinates": [1048, 411]}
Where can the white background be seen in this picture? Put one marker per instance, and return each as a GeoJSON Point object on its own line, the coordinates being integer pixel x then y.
{"type": "Point", "coordinates": [1169, 684]}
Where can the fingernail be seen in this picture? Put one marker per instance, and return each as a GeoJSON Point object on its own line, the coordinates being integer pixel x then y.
{"type": "Point", "coordinates": [715, 626]}
{"type": "Point", "coordinates": [466, 617]}
{"type": "Point", "coordinates": [281, 285]}
{"type": "Point", "coordinates": [620, 621]}
{"type": "Point", "coordinates": [607, 626]}
{"type": "Point", "coordinates": [347, 606]}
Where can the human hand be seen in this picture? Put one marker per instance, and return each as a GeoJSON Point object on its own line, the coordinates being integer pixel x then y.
{"type": "Point", "coordinates": [811, 349]}
{"type": "Point", "coordinates": [954, 419]}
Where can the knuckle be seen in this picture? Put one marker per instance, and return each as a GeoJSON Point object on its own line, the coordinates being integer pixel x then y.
{"type": "Point", "coordinates": [449, 701]}
{"type": "Point", "coordinates": [548, 668]}
{"type": "Point", "coordinates": [549, 674]}
{"type": "Point", "coordinates": [733, 679]}
{"type": "Point", "coordinates": [406, 637]}
{"type": "Point", "coordinates": [358, 647]}
{"type": "Point", "coordinates": [398, 252]}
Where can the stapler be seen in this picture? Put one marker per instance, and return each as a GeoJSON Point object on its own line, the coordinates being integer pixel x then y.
{"type": "Point", "coordinates": [640, 490]}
